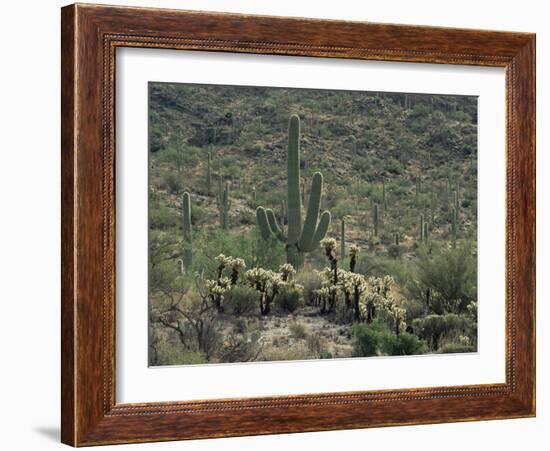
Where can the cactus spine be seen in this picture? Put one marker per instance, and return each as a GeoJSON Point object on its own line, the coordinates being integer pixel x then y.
{"type": "Point", "coordinates": [299, 239]}
{"type": "Point", "coordinates": [187, 232]}
{"type": "Point", "coordinates": [343, 238]}
{"type": "Point", "coordinates": [375, 216]}
{"type": "Point", "coordinates": [224, 204]}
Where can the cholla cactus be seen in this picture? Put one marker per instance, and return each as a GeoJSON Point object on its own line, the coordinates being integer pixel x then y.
{"type": "Point", "coordinates": [223, 261]}
{"type": "Point", "coordinates": [329, 245]}
{"type": "Point", "coordinates": [353, 253]}
{"type": "Point", "coordinates": [236, 265]}
{"type": "Point", "coordinates": [268, 283]}
{"type": "Point", "coordinates": [216, 290]}
{"type": "Point", "coordinates": [287, 272]}
{"type": "Point", "coordinates": [395, 313]}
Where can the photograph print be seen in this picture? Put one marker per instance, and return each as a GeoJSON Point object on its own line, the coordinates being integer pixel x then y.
{"type": "Point", "coordinates": [297, 224]}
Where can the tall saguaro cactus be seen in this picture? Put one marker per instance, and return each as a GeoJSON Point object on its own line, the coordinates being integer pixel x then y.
{"type": "Point", "coordinates": [453, 227]}
{"type": "Point", "coordinates": [384, 203]}
{"type": "Point", "coordinates": [299, 239]}
{"type": "Point", "coordinates": [208, 173]}
{"type": "Point", "coordinates": [224, 204]}
{"type": "Point", "coordinates": [187, 232]}
{"type": "Point", "coordinates": [343, 238]}
{"type": "Point", "coordinates": [375, 219]}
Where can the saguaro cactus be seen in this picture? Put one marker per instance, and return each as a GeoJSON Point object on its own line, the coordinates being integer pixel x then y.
{"type": "Point", "coordinates": [353, 145]}
{"type": "Point", "coordinates": [396, 238]}
{"type": "Point", "coordinates": [187, 232]}
{"type": "Point", "coordinates": [343, 238]}
{"type": "Point", "coordinates": [418, 189]}
{"type": "Point", "coordinates": [453, 227]}
{"type": "Point", "coordinates": [456, 201]}
{"type": "Point", "coordinates": [425, 232]}
{"type": "Point", "coordinates": [384, 204]}
{"type": "Point", "coordinates": [208, 173]}
{"type": "Point", "coordinates": [298, 240]}
{"type": "Point", "coordinates": [375, 216]}
{"type": "Point", "coordinates": [224, 204]}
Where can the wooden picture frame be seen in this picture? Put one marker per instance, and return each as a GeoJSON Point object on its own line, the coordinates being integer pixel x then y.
{"type": "Point", "coordinates": [90, 36]}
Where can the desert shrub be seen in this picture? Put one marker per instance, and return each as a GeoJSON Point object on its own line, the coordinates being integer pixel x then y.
{"type": "Point", "coordinates": [310, 280]}
{"type": "Point", "coordinates": [343, 208]}
{"type": "Point", "coordinates": [433, 327]}
{"type": "Point", "coordinates": [162, 218]}
{"type": "Point", "coordinates": [246, 216]}
{"type": "Point", "coordinates": [288, 299]}
{"type": "Point", "coordinates": [415, 308]}
{"type": "Point", "coordinates": [298, 330]}
{"type": "Point", "coordinates": [451, 277]}
{"type": "Point", "coordinates": [171, 183]}
{"type": "Point", "coordinates": [394, 250]}
{"type": "Point", "coordinates": [455, 348]}
{"type": "Point", "coordinates": [377, 339]}
{"type": "Point", "coordinates": [316, 344]}
{"type": "Point", "coordinates": [367, 338]}
{"type": "Point", "coordinates": [245, 348]}
{"type": "Point", "coordinates": [393, 166]}
{"type": "Point", "coordinates": [297, 352]}
{"type": "Point", "coordinates": [162, 276]}
{"type": "Point", "coordinates": [166, 353]}
{"type": "Point", "coordinates": [403, 344]}
{"type": "Point", "coordinates": [241, 300]}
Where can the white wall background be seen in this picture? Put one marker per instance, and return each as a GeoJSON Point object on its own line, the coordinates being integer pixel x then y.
{"type": "Point", "coordinates": [30, 228]}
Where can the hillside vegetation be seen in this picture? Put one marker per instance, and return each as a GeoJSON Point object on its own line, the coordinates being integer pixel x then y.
{"type": "Point", "coordinates": [399, 178]}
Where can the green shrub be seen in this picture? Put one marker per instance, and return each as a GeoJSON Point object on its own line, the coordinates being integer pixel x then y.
{"type": "Point", "coordinates": [433, 327]}
{"type": "Point", "coordinates": [288, 299]}
{"type": "Point", "coordinates": [367, 338]}
{"type": "Point", "coordinates": [162, 218]}
{"type": "Point", "coordinates": [394, 250]}
{"type": "Point", "coordinates": [403, 344]}
{"type": "Point", "coordinates": [316, 344]}
{"type": "Point", "coordinates": [310, 280]}
{"type": "Point", "coordinates": [451, 276]}
{"type": "Point", "coordinates": [297, 330]}
{"type": "Point", "coordinates": [241, 300]}
{"type": "Point", "coordinates": [455, 348]}
{"type": "Point", "coordinates": [377, 339]}
{"type": "Point", "coordinates": [172, 183]}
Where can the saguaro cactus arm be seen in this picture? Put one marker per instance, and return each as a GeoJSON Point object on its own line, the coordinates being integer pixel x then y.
{"type": "Point", "coordinates": [320, 232]}
{"type": "Point", "coordinates": [263, 224]}
{"type": "Point", "coordinates": [274, 225]}
{"type": "Point", "coordinates": [312, 214]}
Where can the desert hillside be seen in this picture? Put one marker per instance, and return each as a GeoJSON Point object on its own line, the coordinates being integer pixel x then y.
{"type": "Point", "coordinates": [399, 180]}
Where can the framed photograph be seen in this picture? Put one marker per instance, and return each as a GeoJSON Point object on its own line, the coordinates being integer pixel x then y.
{"type": "Point", "coordinates": [279, 225]}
